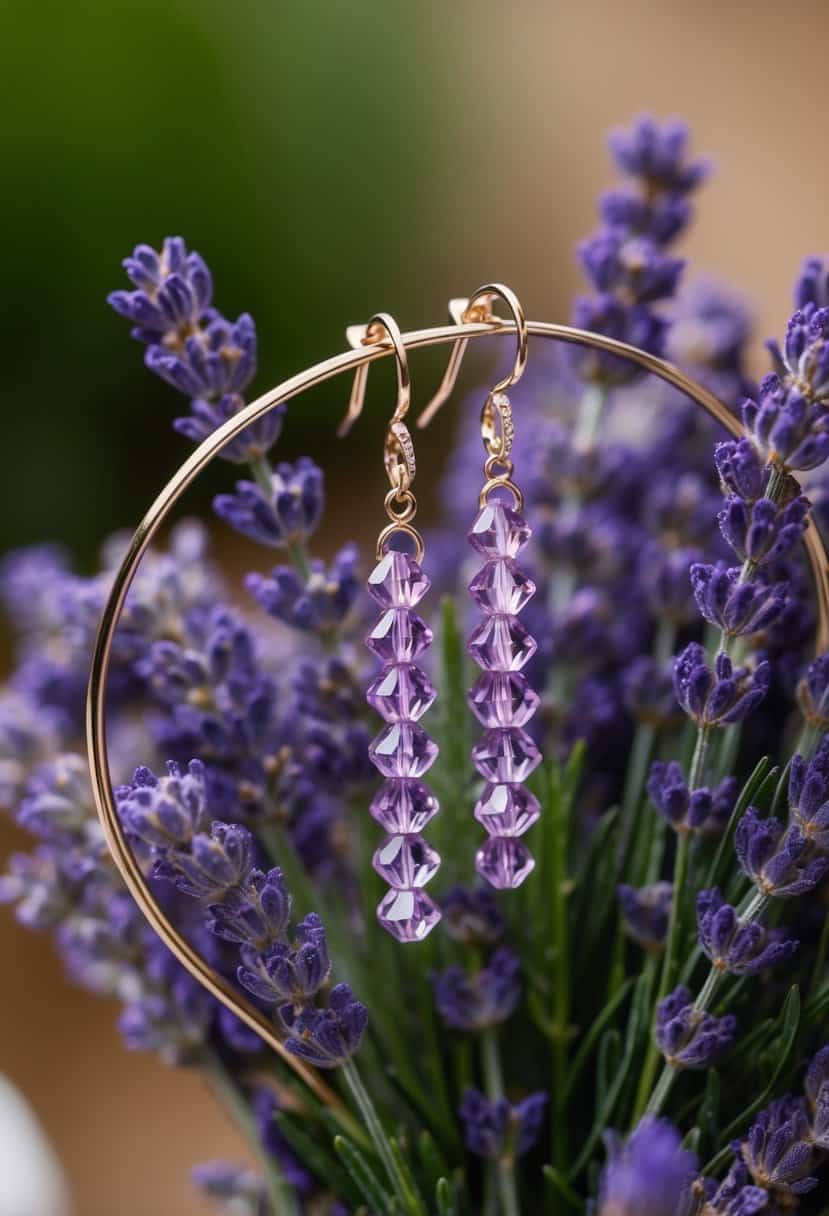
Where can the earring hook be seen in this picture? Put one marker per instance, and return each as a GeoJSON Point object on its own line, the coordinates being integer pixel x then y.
{"type": "Point", "coordinates": [381, 328]}
{"type": "Point", "coordinates": [478, 308]}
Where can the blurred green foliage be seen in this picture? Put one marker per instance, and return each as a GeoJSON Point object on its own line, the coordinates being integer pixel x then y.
{"type": "Point", "coordinates": [291, 144]}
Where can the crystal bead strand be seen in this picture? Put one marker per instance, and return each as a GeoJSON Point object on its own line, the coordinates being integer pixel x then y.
{"type": "Point", "coordinates": [502, 700]}
{"type": "Point", "coordinates": [401, 693]}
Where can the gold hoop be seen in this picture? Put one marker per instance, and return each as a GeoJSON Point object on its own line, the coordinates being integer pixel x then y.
{"type": "Point", "coordinates": [349, 361]}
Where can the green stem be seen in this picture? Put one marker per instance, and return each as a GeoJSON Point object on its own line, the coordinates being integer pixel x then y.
{"type": "Point", "coordinates": [697, 770]}
{"type": "Point", "coordinates": [379, 1139]}
{"type": "Point", "coordinates": [282, 1200]}
{"type": "Point", "coordinates": [561, 993]}
{"type": "Point", "coordinates": [494, 1082]}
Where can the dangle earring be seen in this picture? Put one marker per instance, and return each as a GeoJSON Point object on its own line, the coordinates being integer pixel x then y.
{"type": "Point", "coordinates": [401, 692]}
{"type": "Point", "coordinates": [501, 699]}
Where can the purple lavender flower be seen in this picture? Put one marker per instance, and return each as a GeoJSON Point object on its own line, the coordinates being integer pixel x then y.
{"type": "Point", "coordinates": [257, 914]}
{"type": "Point", "coordinates": [472, 916]}
{"type": "Point", "coordinates": [58, 804]}
{"type": "Point", "coordinates": [779, 1154]}
{"type": "Point", "coordinates": [484, 998]}
{"type": "Point", "coordinates": [286, 515]}
{"type": "Point", "coordinates": [709, 333]}
{"type": "Point", "coordinates": [657, 155]}
{"type": "Point", "coordinates": [291, 975]}
{"type": "Point", "coordinates": [763, 530]}
{"type": "Point", "coordinates": [720, 696]}
{"type": "Point", "coordinates": [498, 1130]}
{"type": "Point", "coordinates": [791, 430]}
{"type": "Point", "coordinates": [648, 689]}
{"type": "Point", "coordinates": [734, 1196]}
{"type": "Point", "coordinates": [779, 861]}
{"type": "Point", "coordinates": [236, 1184]}
{"type": "Point", "coordinates": [255, 441]}
{"type": "Point", "coordinates": [321, 602]}
{"type": "Point", "coordinates": [645, 912]}
{"type": "Point", "coordinates": [812, 286]}
{"type": "Point", "coordinates": [166, 812]}
{"type": "Point", "coordinates": [740, 470]}
{"type": "Point", "coordinates": [689, 1038]}
{"type": "Point", "coordinates": [663, 574]}
{"type": "Point", "coordinates": [738, 946]}
{"type": "Point", "coordinates": [816, 1087]}
{"type": "Point", "coordinates": [736, 606]}
{"type": "Point", "coordinates": [813, 693]}
{"type": "Point", "coordinates": [689, 810]}
{"type": "Point", "coordinates": [634, 268]}
{"type": "Point", "coordinates": [648, 1175]}
{"type": "Point", "coordinates": [326, 1037]}
{"type": "Point", "coordinates": [809, 797]}
{"type": "Point", "coordinates": [638, 326]}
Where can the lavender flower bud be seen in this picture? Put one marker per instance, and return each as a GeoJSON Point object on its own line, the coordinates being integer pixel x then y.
{"type": "Point", "coordinates": [606, 315]}
{"type": "Point", "coordinates": [635, 268]}
{"type": "Point", "coordinates": [165, 812]}
{"type": "Point", "coordinates": [763, 531]}
{"type": "Point", "coordinates": [323, 602]}
{"type": "Point", "coordinates": [254, 442]}
{"type": "Point", "coordinates": [809, 797]}
{"type": "Point", "coordinates": [657, 154]}
{"type": "Point", "coordinates": [662, 218]}
{"type": "Point", "coordinates": [720, 696]}
{"type": "Point", "coordinates": [498, 1130]}
{"type": "Point", "coordinates": [216, 865]}
{"type": "Point", "coordinates": [813, 694]}
{"type": "Point", "coordinates": [790, 429]}
{"type": "Point", "coordinates": [731, 944]}
{"type": "Point", "coordinates": [803, 362]}
{"type": "Point", "coordinates": [645, 912]}
{"type": "Point", "coordinates": [687, 1037]}
{"type": "Point", "coordinates": [648, 690]}
{"type": "Point", "coordinates": [328, 1037]}
{"type": "Point", "coordinates": [285, 974]}
{"type": "Point", "coordinates": [472, 916]}
{"type": "Point", "coordinates": [779, 861]}
{"type": "Point", "coordinates": [731, 1197]}
{"type": "Point", "coordinates": [740, 470]}
{"type": "Point", "coordinates": [812, 286]}
{"type": "Point", "coordinates": [648, 1175]}
{"type": "Point", "coordinates": [736, 607]}
{"type": "Point", "coordinates": [258, 914]}
{"type": "Point", "coordinates": [663, 574]}
{"type": "Point", "coordinates": [214, 361]}
{"type": "Point", "coordinates": [485, 998]}
{"type": "Point", "coordinates": [816, 1087]}
{"type": "Point", "coordinates": [779, 1154]}
{"type": "Point", "coordinates": [58, 803]}
{"type": "Point", "coordinates": [289, 515]}
{"type": "Point", "coordinates": [687, 810]}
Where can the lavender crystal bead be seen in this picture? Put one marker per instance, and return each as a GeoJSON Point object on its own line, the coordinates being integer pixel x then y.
{"type": "Point", "coordinates": [504, 862]}
{"type": "Point", "coordinates": [400, 636]}
{"type": "Point", "coordinates": [406, 862]}
{"type": "Point", "coordinates": [401, 693]}
{"type": "Point", "coordinates": [507, 810]}
{"type": "Point", "coordinates": [506, 754]}
{"type": "Point", "coordinates": [408, 915]}
{"type": "Point", "coordinates": [503, 699]}
{"type": "Point", "coordinates": [397, 581]}
{"type": "Point", "coordinates": [403, 750]}
{"type": "Point", "coordinates": [499, 586]}
{"type": "Point", "coordinates": [501, 643]}
{"type": "Point", "coordinates": [403, 805]}
{"type": "Point", "coordinates": [499, 531]}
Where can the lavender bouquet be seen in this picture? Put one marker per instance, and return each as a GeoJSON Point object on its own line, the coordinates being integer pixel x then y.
{"type": "Point", "coordinates": [636, 1025]}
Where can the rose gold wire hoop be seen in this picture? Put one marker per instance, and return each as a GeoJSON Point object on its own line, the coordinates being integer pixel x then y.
{"type": "Point", "coordinates": [459, 335]}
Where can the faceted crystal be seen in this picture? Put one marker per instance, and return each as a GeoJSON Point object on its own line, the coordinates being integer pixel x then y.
{"type": "Point", "coordinates": [504, 862]}
{"type": "Point", "coordinates": [506, 754]}
{"type": "Point", "coordinates": [507, 810]}
{"type": "Point", "coordinates": [499, 586]}
{"type": "Point", "coordinates": [503, 698]}
{"type": "Point", "coordinates": [403, 750]}
{"type": "Point", "coordinates": [403, 805]}
{"type": "Point", "coordinates": [501, 643]}
{"type": "Point", "coordinates": [499, 531]}
{"type": "Point", "coordinates": [408, 915]}
{"type": "Point", "coordinates": [399, 636]}
{"type": "Point", "coordinates": [401, 692]}
{"type": "Point", "coordinates": [406, 861]}
{"type": "Point", "coordinates": [397, 581]}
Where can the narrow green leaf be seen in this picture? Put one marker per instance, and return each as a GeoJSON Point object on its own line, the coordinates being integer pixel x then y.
{"type": "Point", "coordinates": [317, 1157]}
{"type": "Point", "coordinates": [589, 1041]}
{"type": "Point", "coordinates": [414, 1199]}
{"type": "Point", "coordinates": [444, 1199]}
{"type": "Point", "coordinates": [378, 1200]}
{"type": "Point", "coordinates": [748, 792]}
{"type": "Point", "coordinates": [559, 1187]}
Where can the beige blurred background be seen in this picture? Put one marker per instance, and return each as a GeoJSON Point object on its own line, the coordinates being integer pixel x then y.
{"type": "Point", "coordinates": [505, 107]}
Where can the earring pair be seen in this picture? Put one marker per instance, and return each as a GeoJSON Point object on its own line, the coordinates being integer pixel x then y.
{"type": "Point", "coordinates": [501, 698]}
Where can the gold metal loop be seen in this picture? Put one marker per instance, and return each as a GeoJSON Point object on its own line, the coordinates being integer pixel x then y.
{"type": "Point", "coordinates": [408, 509]}
{"type": "Point", "coordinates": [399, 456]}
{"type": "Point", "coordinates": [353, 361]}
{"type": "Point", "coordinates": [501, 483]}
{"type": "Point", "coordinates": [497, 467]}
{"type": "Point", "coordinates": [497, 426]}
{"type": "Point", "coordinates": [478, 310]}
{"type": "Point", "coordinates": [405, 529]}
{"type": "Point", "coordinates": [382, 328]}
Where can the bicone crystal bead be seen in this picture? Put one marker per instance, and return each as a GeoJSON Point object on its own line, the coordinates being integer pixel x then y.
{"type": "Point", "coordinates": [499, 531]}
{"type": "Point", "coordinates": [403, 805]}
{"type": "Point", "coordinates": [399, 636]}
{"type": "Point", "coordinates": [504, 862]}
{"type": "Point", "coordinates": [507, 810]}
{"type": "Point", "coordinates": [397, 581]}
{"type": "Point", "coordinates": [402, 692]}
{"type": "Point", "coordinates": [403, 749]}
{"type": "Point", "coordinates": [406, 861]}
{"type": "Point", "coordinates": [499, 586]}
{"type": "Point", "coordinates": [501, 643]}
{"type": "Point", "coordinates": [506, 754]}
{"type": "Point", "coordinates": [408, 915]}
{"type": "Point", "coordinates": [503, 698]}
